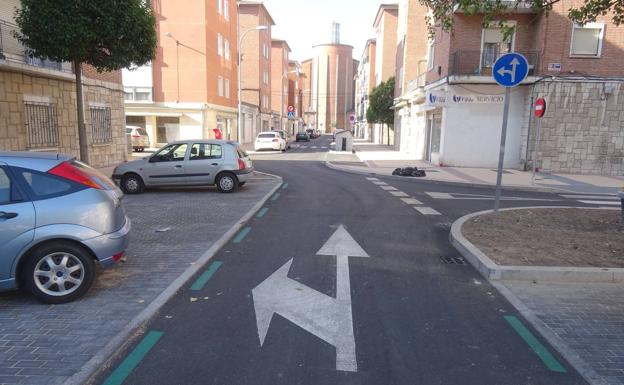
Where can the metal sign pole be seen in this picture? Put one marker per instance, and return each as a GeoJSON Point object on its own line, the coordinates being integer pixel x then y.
{"type": "Point", "coordinates": [501, 155]}
{"type": "Point", "coordinates": [538, 129]}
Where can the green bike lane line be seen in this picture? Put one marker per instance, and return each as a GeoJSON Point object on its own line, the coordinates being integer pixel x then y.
{"type": "Point", "coordinates": [542, 352]}
{"type": "Point", "coordinates": [241, 235]}
{"type": "Point", "coordinates": [262, 212]}
{"type": "Point", "coordinates": [134, 358]}
{"type": "Point", "coordinates": [275, 196]}
{"type": "Point", "coordinates": [205, 277]}
{"type": "Point", "coordinates": [285, 186]}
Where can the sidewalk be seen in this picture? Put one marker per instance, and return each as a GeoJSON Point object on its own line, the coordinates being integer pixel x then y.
{"type": "Point", "coordinates": [174, 233]}
{"type": "Point", "coordinates": [382, 160]}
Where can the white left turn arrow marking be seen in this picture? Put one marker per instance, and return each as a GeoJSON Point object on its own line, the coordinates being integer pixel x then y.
{"type": "Point", "coordinates": [326, 317]}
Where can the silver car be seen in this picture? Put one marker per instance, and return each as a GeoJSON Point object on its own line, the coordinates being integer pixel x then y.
{"type": "Point", "coordinates": [138, 137]}
{"type": "Point", "coordinates": [188, 163]}
{"type": "Point", "coordinates": [58, 217]}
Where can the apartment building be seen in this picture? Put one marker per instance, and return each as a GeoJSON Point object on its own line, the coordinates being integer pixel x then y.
{"type": "Point", "coordinates": [410, 75]}
{"type": "Point", "coordinates": [256, 67]}
{"type": "Point", "coordinates": [38, 102]}
{"type": "Point", "coordinates": [332, 95]}
{"type": "Point", "coordinates": [279, 83]}
{"type": "Point", "coordinates": [450, 112]}
{"type": "Point", "coordinates": [364, 85]}
{"type": "Point", "coordinates": [296, 81]}
{"type": "Point", "coordinates": [385, 24]}
{"type": "Point", "coordinates": [308, 109]}
{"type": "Point", "coordinates": [189, 89]}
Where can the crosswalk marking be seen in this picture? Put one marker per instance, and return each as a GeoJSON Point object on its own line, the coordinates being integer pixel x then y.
{"type": "Point", "coordinates": [372, 179]}
{"type": "Point", "coordinates": [380, 183]}
{"type": "Point", "coordinates": [314, 147]}
{"type": "Point", "coordinates": [398, 193]}
{"type": "Point", "coordinates": [426, 210]}
{"type": "Point", "coordinates": [605, 197]}
{"type": "Point", "coordinates": [439, 195]}
{"type": "Point", "coordinates": [411, 201]}
{"type": "Point", "coordinates": [388, 188]}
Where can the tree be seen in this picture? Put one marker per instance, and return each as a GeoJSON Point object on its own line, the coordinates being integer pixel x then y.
{"type": "Point", "coordinates": [380, 105]}
{"type": "Point", "coordinates": [106, 34]}
{"type": "Point", "coordinates": [494, 12]}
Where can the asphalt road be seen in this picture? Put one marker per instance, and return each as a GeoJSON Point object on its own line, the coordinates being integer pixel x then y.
{"type": "Point", "coordinates": [416, 319]}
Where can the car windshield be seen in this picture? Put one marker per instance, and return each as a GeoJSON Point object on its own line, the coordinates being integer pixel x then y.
{"type": "Point", "coordinates": [266, 136]}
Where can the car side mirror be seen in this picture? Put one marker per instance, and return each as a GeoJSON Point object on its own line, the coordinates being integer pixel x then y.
{"type": "Point", "coordinates": [153, 159]}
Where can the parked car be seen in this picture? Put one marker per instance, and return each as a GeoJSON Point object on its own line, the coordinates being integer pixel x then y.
{"type": "Point", "coordinates": [270, 141]}
{"type": "Point", "coordinates": [312, 133]}
{"type": "Point", "coordinates": [302, 136]}
{"type": "Point", "coordinates": [286, 136]}
{"type": "Point", "coordinates": [188, 163]}
{"type": "Point", "coordinates": [58, 217]}
{"type": "Point", "coordinates": [138, 137]}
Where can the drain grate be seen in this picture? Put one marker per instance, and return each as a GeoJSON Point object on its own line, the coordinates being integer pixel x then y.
{"type": "Point", "coordinates": [453, 260]}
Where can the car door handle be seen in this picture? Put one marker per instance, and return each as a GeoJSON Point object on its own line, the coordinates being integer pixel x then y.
{"type": "Point", "coordinates": [4, 215]}
{"type": "Point", "coordinates": [178, 166]}
{"type": "Point", "coordinates": [215, 164]}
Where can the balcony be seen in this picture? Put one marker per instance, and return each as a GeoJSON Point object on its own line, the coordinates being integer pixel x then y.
{"type": "Point", "coordinates": [13, 51]}
{"type": "Point", "coordinates": [480, 63]}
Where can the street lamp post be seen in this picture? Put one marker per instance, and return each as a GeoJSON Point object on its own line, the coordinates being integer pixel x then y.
{"type": "Point", "coordinates": [240, 112]}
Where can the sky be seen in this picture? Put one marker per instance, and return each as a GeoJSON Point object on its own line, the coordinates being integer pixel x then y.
{"type": "Point", "coordinates": [304, 23]}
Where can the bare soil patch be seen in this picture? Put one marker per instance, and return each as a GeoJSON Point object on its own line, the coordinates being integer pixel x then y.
{"type": "Point", "coordinates": [549, 237]}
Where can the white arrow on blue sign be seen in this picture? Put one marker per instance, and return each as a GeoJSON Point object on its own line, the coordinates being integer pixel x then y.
{"type": "Point", "coordinates": [291, 114]}
{"type": "Point", "coordinates": [510, 69]}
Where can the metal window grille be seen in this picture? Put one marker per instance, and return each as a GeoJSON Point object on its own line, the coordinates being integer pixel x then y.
{"type": "Point", "coordinates": [101, 131]}
{"type": "Point", "coordinates": [41, 125]}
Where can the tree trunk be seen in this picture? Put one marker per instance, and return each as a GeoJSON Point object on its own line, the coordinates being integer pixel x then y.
{"type": "Point", "coordinates": [82, 130]}
{"type": "Point", "coordinates": [387, 125]}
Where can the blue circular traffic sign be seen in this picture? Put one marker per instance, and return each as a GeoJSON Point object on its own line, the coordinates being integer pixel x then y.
{"type": "Point", "coordinates": [510, 69]}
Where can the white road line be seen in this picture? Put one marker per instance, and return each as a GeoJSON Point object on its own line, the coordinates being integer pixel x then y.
{"type": "Point", "coordinates": [398, 193]}
{"type": "Point", "coordinates": [371, 179]}
{"type": "Point", "coordinates": [313, 147]}
{"type": "Point", "coordinates": [380, 183]}
{"type": "Point", "coordinates": [388, 188]}
{"type": "Point", "coordinates": [426, 210]}
{"type": "Point", "coordinates": [606, 197]}
{"type": "Point", "coordinates": [601, 203]}
{"type": "Point", "coordinates": [411, 201]}
{"type": "Point", "coordinates": [439, 195]}
{"type": "Point", "coordinates": [324, 147]}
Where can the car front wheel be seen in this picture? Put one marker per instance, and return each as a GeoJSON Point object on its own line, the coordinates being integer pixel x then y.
{"type": "Point", "coordinates": [132, 184]}
{"type": "Point", "coordinates": [227, 183]}
{"type": "Point", "coordinates": [59, 272]}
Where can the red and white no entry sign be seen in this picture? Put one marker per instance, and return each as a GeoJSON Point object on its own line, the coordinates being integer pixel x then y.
{"type": "Point", "coordinates": [291, 109]}
{"type": "Point", "coordinates": [540, 107]}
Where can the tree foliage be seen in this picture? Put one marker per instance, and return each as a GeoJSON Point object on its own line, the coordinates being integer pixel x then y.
{"type": "Point", "coordinates": [380, 105]}
{"type": "Point", "coordinates": [107, 34]}
{"type": "Point", "coordinates": [494, 11]}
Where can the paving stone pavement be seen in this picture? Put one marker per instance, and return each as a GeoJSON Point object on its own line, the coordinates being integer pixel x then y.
{"type": "Point", "coordinates": [588, 318]}
{"type": "Point", "coordinates": [46, 344]}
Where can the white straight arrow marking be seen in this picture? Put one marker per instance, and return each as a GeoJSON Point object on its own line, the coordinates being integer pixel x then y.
{"type": "Point", "coordinates": [328, 318]}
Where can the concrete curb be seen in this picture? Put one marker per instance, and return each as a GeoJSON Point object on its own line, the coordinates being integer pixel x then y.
{"type": "Point", "coordinates": [568, 353]}
{"type": "Point", "coordinates": [494, 272]}
{"type": "Point", "coordinates": [101, 361]}
{"type": "Point", "coordinates": [447, 183]}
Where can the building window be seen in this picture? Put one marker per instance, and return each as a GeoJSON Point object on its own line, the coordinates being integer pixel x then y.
{"type": "Point", "coordinates": [220, 6]}
{"type": "Point", "coordinates": [430, 54]}
{"type": "Point", "coordinates": [101, 130]}
{"type": "Point", "coordinates": [494, 45]}
{"type": "Point", "coordinates": [137, 94]}
{"type": "Point", "coordinates": [41, 125]}
{"type": "Point", "coordinates": [220, 85]}
{"type": "Point", "coordinates": [587, 40]}
{"type": "Point", "coordinates": [226, 9]}
{"type": "Point", "coordinates": [227, 88]}
{"type": "Point", "coordinates": [226, 46]}
{"type": "Point", "coordinates": [220, 44]}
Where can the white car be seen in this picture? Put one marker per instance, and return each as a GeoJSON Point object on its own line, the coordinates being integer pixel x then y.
{"type": "Point", "coordinates": [270, 141]}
